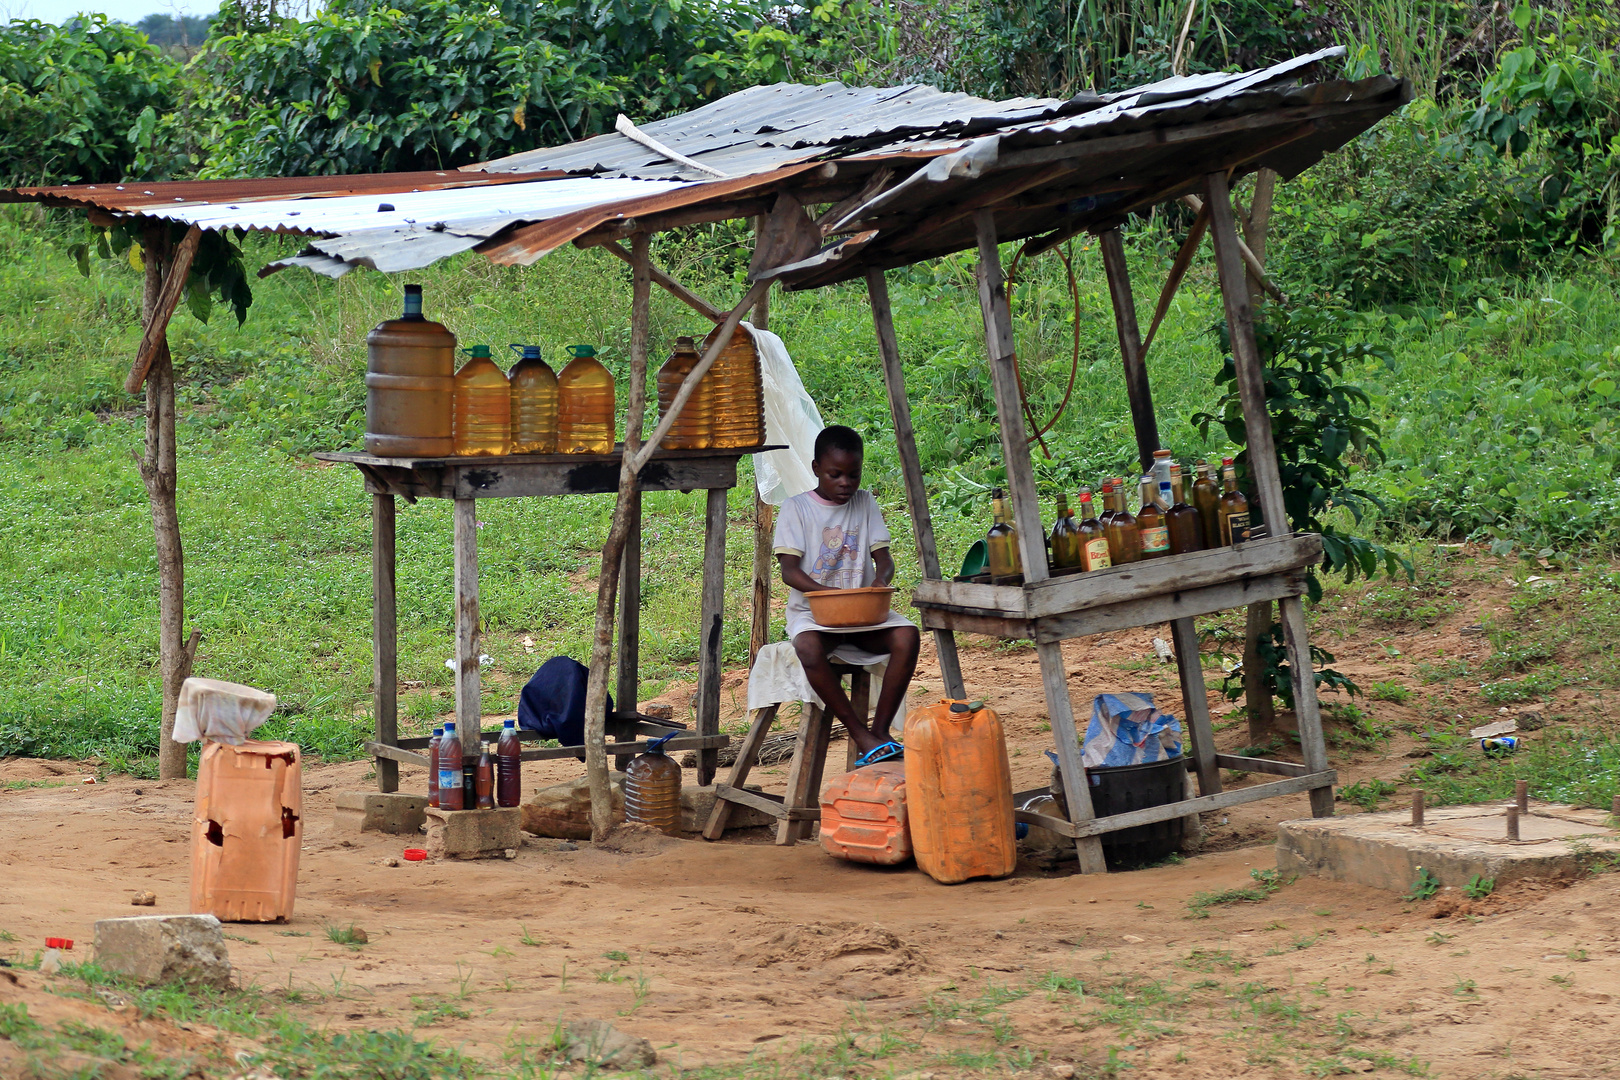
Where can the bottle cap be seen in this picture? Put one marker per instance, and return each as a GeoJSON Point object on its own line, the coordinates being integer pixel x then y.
{"type": "Point", "coordinates": [509, 723]}
{"type": "Point", "coordinates": [995, 493]}
{"type": "Point", "coordinates": [684, 342]}
{"type": "Point", "coordinates": [1161, 453]}
{"type": "Point", "coordinates": [439, 730]}
{"type": "Point", "coordinates": [527, 352]}
{"type": "Point", "coordinates": [581, 351]}
{"type": "Point", "coordinates": [449, 726]}
{"type": "Point", "coordinates": [479, 352]}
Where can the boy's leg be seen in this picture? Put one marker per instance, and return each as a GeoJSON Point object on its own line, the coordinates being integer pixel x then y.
{"type": "Point", "coordinates": [812, 649]}
{"type": "Point", "coordinates": [901, 643]}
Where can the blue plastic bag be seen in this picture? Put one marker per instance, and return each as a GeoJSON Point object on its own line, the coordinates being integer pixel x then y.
{"type": "Point", "coordinates": [1126, 729]}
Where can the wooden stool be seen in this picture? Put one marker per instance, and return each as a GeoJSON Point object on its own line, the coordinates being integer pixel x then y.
{"type": "Point", "coordinates": [801, 805]}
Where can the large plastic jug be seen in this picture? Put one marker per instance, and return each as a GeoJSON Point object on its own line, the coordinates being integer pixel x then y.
{"type": "Point", "coordinates": [652, 788]}
{"type": "Point", "coordinates": [247, 832]}
{"type": "Point", "coordinates": [483, 406]}
{"type": "Point", "coordinates": [585, 404]}
{"type": "Point", "coordinates": [959, 792]}
{"type": "Point", "coordinates": [692, 428]}
{"type": "Point", "coordinates": [863, 815]}
{"type": "Point", "coordinates": [410, 380]}
{"type": "Point", "coordinates": [739, 393]}
{"type": "Point", "coordinates": [534, 403]}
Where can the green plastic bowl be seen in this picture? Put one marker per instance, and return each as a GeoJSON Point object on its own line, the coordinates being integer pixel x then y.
{"type": "Point", "coordinates": [978, 557]}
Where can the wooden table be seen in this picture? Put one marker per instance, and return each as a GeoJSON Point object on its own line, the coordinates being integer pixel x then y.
{"type": "Point", "coordinates": [465, 480]}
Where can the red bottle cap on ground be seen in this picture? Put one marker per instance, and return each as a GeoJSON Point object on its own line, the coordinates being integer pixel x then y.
{"type": "Point", "coordinates": [58, 943]}
{"type": "Point", "coordinates": [415, 854]}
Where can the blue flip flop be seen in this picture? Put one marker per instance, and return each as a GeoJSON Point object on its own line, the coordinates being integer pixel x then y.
{"type": "Point", "coordinates": [882, 752]}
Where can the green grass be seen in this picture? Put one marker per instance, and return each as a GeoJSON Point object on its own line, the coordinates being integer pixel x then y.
{"type": "Point", "coordinates": [1266, 882]}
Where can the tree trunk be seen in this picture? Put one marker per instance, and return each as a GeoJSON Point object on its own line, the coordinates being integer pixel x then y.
{"type": "Point", "coordinates": [160, 473]}
{"type": "Point", "coordinates": [1256, 691]}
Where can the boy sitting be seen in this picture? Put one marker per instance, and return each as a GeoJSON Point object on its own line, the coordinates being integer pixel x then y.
{"type": "Point", "coordinates": [833, 537]}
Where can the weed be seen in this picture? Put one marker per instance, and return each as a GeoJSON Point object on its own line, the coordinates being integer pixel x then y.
{"type": "Point", "coordinates": [1479, 887]}
{"type": "Point", "coordinates": [1055, 984]}
{"type": "Point", "coordinates": [1368, 793]}
{"type": "Point", "coordinates": [1424, 885]}
{"type": "Point", "coordinates": [617, 956]}
{"type": "Point", "coordinates": [1465, 988]}
{"type": "Point", "coordinates": [1266, 882]}
{"type": "Point", "coordinates": [1208, 960]}
{"type": "Point", "coordinates": [1391, 691]}
{"type": "Point", "coordinates": [1437, 938]}
{"type": "Point", "coordinates": [8, 937]}
{"type": "Point", "coordinates": [350, 936]}
{"type": "Point", "coordinates": [529, 939]}
{"type": "Point", "coordinates": [443, 1010]}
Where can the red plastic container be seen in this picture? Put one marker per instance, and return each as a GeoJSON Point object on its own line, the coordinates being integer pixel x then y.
{"type": "Point", "coordinates": [863, 815]}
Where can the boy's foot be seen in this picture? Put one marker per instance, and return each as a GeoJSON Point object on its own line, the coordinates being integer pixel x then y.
{"type": "Point", "coordinates": [882, 752]}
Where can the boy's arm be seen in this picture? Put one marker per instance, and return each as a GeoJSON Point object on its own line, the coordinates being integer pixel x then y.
{"type": "Point", "coordinates": [794, 576]}
{"type": "Point", "coordinates": [883, 564]}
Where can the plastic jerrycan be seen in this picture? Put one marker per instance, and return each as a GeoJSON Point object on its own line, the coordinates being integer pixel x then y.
{"type": "Point", "coordinates": [652, 788]}
{"type": "Point", "coordinates": [483, 406]}
{"type": "Point", "coordinates": [691, 430]}
{"type": "Point", "coordinates": [585, 404]}
{"type": "Point", "coordinates": [410, 381]}
{"type": "Point", "coordinates": [534, 403]}
{"type": "Point", "coordinates": [739, 394]}
{"type": "Point", "coordinates": [959, 792]}
{"type": "Point", "coordinates": [247, 831]}
{"type": "Point", "coordinates": [863, 815]}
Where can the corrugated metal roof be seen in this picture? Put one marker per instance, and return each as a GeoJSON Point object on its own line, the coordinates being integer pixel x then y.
{"type": "Point", "coordinates": [135, 197]}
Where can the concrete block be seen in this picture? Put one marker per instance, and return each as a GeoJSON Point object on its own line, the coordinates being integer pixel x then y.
{"type": "Point", "coordinates": [1455, 844]}
{"type": "Point", "coordinates": [165, 948]}
{"type": "Point", "coordinates": [698, 802]}
{"type": "Point", "coordinates": [375, 811]}
{"type": "Point", "coordinates": [473, 834]}
{"type": "Point", "coordinates": [564, 810]}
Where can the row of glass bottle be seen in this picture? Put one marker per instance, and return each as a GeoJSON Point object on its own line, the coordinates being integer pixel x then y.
{"type": "Point", "coordinates": [1166, 523]}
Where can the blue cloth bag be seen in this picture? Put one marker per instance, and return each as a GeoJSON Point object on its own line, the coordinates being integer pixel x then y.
{"type": "Point", "coordinates": [553, 701]}
{"type": "Point", "coordinates": [1126, 729]}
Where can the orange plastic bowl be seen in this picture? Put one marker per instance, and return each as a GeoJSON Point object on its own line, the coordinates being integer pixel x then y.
{"type": "Point", "coordinates": [850, 607]}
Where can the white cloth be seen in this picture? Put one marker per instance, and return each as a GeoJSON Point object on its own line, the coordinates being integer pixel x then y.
{"type": "Point", "coordinates": [778, 677]}
{"type": "Point", "coordinates": [225, 712]}
{"type": "Point", "coordinates": [833, 543]}
{"type": "Point", "coordinates": [791, 418]}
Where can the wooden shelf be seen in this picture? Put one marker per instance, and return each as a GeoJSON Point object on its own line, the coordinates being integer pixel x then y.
{"type": "Point", "coordinates": [1121, 597]}
{"type": "Point", "coordinates": [520, 475]}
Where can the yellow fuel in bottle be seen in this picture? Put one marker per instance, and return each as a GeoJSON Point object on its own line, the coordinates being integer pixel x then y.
{"type": "Point", "coordinates": [585, 404]}
{"type": "Point", "coordinates": [481, 421]}
{"type": "Point", "coordinates": [534, 403]}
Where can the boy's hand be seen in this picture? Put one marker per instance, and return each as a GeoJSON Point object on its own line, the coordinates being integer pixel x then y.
{"type": "Point", "coordinates": [883, 563]}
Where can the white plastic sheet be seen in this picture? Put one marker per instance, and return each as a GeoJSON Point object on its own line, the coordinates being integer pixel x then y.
{"type": "Point", "coordinates": [223, 711]}
{"type": "Point", "coordinates": [791, 417]}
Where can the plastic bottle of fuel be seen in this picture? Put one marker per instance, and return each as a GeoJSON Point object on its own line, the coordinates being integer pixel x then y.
{"type": "Point", "coordinates": [534, 403]}
{"type": "Point", "coordinates": [652, 788]}
{"type": "Point", "coordinates": [509, 767]}
{"type": "Point", "coordinates": [691, 430]}
{"type": "Point", "coordinates": [585, 404]}
{"type": "Point", "coordinates": [450, 771]}
{"type": "Point", "coordinates": [482, 422]}
{"type": "Point", "coordinates": [433, 766]}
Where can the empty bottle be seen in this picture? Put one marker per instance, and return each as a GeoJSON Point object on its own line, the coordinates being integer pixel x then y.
{"type": "Point", "coordinates": [585, 404]}
{"type": "Point", "coordinates": [739, 395]}
{"type": "Point", "coordinates": [692, 429]}
{"type": "Point", "coordinates": [483, 407]}
{"type": "Point", "coordinates": [485, 780]}
{"type": "Point", "coordinates": [652, 788]}
{"type": "Point", "coordinates": [433, 766]}
{"type": "Point", "coordinates": [534, 403]}
{"type": "Point", "coordinates": [1206, 499]}
{"type": "Point", "coordinates": [509, 767]}
{"type": "Point", "coordinates": [410, 368]}
{"type": "Point", "coordinates": [450, 771]}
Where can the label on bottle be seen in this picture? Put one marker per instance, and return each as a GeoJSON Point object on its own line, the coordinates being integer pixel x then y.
{"type": "Point", "coordinates": [449, 778]}
{"type": "Point", "coordinates": [1096, 555]}
{"type": "Point", "coordinates": [1155, 539]}
{"type": "Point", "coordinates": [1234, 529]}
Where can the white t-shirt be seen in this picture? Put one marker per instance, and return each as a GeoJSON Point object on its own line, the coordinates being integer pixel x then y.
{"type": "Point", "coordinates": [834, 544]}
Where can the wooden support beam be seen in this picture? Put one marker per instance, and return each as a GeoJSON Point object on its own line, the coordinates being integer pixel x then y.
{"type": "Point", "coordinates": [1178, 270]}
{"type": "Point", "coordinates": [710, 617]}
{"type": "Point", "coordinates": [1195, 702]}
{"type": "Point", "coordinates": [1262, 451]}
{"type": "Point", "coordinates": [1306, 711]}
{"type": "Point", "coordinates": [905, 440]}
{"type": "Point", "coordinates": [1201, 805]}
{"type": "Point", "coordinates": [1239, 763]}
{"type": "Point", "coordinates": [1251, 261]}
{"type": "Point", "coordinates": [1130, 346]}
{"type": "Point", "coordinates": [1060, 710]}
{"type": "Point", "coordinates": [384, 638]}
{"type": "Point", "coordinates": [628, 682]}
{"type": "Point", "coordinates": [469, 688]}
{"type": "Point", "coordinates": [669, 284]}
{"type": "Point", "coordinates": [155, 335]}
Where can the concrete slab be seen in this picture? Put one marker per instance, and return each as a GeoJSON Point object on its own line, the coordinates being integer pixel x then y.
{"type": "Point", "coordinates": [473, 834]}
{"type": "Point", "coordinates": [1455, 844]}
{"type": "Point", "coordinates": [373, 811]}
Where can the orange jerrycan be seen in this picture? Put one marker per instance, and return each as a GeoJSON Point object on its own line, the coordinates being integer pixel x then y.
{"type": "Point", "coordinates": [863, 815]}
{"type": "Point", "coordinates": [959, 793]}
{"type": "Point", "coordinates": [247, 832]}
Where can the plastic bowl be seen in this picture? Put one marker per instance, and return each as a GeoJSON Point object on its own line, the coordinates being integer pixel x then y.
{"type": "Point", "coordinates": [415, 854]}
{"type": "Point", "coordinates": [850, 607]}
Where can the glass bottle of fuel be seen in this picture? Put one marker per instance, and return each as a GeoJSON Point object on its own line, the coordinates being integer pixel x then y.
{"type": "Point", "coordinates": [1234, 507]}
{"type": "Point", "coordinates": [692, 429]}
{"type": "Point", "coordinates": [534, 403]}
{"type": "Point", "coordinates": [450, 770]}
{"type": "Point", "coordinates": [1206, 499]}
{"type": "Point", "coordinates": [585, 404]}
{"type": "Point", "coordinates": [1093, 536]}
{"type": "Point", "coordinates": [485, 780]}
{"type": "Point", "coordinates": [509, 767]}
{"type": "Point", "coordinates": [481, 418]}
{"type": "Point", "coordinates": [1106, 495]}
{"type": "Point", "coordinates": [1065, 538]}
{"type": "Point", "coordinates": [1124, 538]}
{"type": "Point", "coordinates": [1150, 520]}
{"type": "Point", "coordinates": [1002, 540]}
{"type": "Point", "coordinates": [1186, 532]}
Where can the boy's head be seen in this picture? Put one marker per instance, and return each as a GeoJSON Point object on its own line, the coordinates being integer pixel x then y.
{"type": "Point", "coordinates": [837, 464]}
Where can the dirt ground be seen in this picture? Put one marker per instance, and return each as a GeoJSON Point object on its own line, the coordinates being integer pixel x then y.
{"type": "Point", "coordinates": [721, 953]}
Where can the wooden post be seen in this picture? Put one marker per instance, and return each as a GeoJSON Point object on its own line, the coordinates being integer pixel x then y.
{"type": "Point", "coordinates": [1521, 795]}
{"type": "Point", "coordinates": [160, 473]}
{"type": "Point", "coordinates": [1513, 821]}
{"type": "Point", "coordinates": [469, 686]}
{"type": "Point", "coordinates": [1027, 513]}
{"type": "Point", "coordinates": [710, 623]}
{"type": "Point", "coordinates": [384, 639]}
{"type": "Point", "coordinates": [905, 440]}
{"type": "Point", "coordinates": [624, 513]}
{"type": "Point", "coordinates": [759, 627]}
{"type": "Point", "coordinates": [1256, 692]}
{"type": "Point", "coordinates": [1130, 346]}
{"type": "Point", "coordinates": [1303, 677]}
{"type": "Point", "coordinates": [629, 686]}
{"type": "Point", "coordinates": [1195, 697]}
{"type": "Point", "coordinates": [1417, 808]}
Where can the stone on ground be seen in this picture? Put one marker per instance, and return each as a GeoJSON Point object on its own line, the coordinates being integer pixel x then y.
{"type": "Point", "coordinates": [563, 811]}
{"type": "Point", "coordinates": [165, 948]}
{"type": "Point", "coordinates": [599, 1043]}
{"type": "Point", "coordinates": [473, 834]}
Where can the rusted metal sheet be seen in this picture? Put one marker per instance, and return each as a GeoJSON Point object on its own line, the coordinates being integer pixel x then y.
{"type": "Point", "coordinates": [136, 197]}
